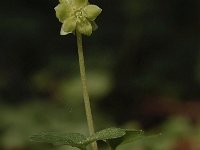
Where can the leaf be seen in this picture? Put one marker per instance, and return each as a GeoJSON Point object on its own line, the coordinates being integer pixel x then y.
{"type": "Point", "coordinates": [113, 136]}
{"type": "Point", "coordinates": [109, 133]}
{"type": "Point", "coordinates": [130, 136]}
{"type": "Point", "coordinates": [71, 139]}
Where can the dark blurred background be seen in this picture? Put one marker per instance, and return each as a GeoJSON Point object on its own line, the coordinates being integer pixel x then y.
{"type": "Point", "coordinates": [142, 64]}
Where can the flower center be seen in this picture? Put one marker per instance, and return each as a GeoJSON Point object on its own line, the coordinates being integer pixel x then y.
{"type": "Point", "coordinates": [79, 14]}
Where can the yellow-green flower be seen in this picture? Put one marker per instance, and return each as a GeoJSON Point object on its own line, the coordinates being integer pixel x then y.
{"type": "Point", "coordinates": [77, 15]}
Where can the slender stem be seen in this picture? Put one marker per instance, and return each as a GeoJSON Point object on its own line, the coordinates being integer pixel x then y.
{"type": "Point", "coordinates": [84, 86]}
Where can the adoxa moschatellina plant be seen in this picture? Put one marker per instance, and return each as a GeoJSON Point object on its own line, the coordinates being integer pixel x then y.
{"type": "Point", "coordinates": [77, 17]}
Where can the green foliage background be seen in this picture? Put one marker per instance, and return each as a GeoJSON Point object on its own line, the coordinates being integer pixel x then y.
{"type": "Point", "coordinates": [143, 50]}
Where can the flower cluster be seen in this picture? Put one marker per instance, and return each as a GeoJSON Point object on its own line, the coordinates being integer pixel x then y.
{"type": "Point", "coordinates": [77, 15]}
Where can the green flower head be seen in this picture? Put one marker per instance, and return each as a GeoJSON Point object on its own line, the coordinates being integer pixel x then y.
{"type": "Point", "coordinates": [77, 15]}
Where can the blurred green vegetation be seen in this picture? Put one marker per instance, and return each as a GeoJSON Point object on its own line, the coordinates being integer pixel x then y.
{"type": "Point", "coordinates": [142, 64]}
{"type": "Point", "coordinates": [17, 123]}
{"type": "Point", "coordinates": [177, 134]}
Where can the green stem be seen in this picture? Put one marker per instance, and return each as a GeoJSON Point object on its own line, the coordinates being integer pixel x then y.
{"type": "Point", "coordinates": [84, 86]}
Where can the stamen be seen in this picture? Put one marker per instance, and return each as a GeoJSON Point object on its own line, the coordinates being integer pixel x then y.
{"type": "Point", "coordinates": [79, 14]}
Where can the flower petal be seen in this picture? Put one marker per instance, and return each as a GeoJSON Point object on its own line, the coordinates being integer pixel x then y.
{"type": "Point", "coordinates": [84, 27]}
{"type": "Point", "coordinates": [94, 25]}
{"type": "Point", "coordinates": [80, 3]}
{"type": "Point", "coordinates": [68, 26]}
{"type": "Point", "coordinates": [62, 32]}
{"type": "Point", "coordinates": [63, 10]}
{"type": "Point", "coordinates": [62, 1]}
{"type": "Point", "coordinates": [92, 11]}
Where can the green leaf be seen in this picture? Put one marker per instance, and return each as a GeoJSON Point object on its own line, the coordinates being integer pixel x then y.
{"type": "Point", "coordinates": [113, 136]}
{"type": "Point", "coordinates": [71, 139]}
{"type": "Point", "coordinates": [130, 136]}
{"type": "Point", "coordinates": [109, 133]}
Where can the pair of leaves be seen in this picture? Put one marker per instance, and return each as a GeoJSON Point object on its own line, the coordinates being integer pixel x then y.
{"type": "Point", "coordinates": [113, 136]}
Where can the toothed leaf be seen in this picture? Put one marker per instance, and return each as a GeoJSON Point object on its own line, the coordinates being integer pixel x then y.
{"type": "Point", "coordinates": [109, 133]}
{"type": "Point", "coordinates": [128, 137]}
{"type": "Point", "coordinates": [71, 139]}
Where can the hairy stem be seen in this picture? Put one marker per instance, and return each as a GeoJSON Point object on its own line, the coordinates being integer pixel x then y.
{"type": "Point", "coordinates": [84, 86]}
